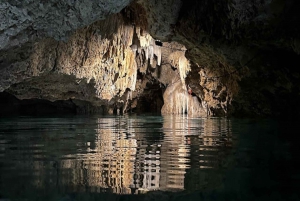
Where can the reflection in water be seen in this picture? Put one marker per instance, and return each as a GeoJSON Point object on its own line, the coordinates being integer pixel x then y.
{"type": "Point", "coordinates": [190, 143]}
{"type": "Point", "coordinates": [120, 154]}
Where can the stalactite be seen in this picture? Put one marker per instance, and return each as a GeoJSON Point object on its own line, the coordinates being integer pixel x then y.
{"type": "Point", "coordinates": [147, 44]}
{"type": "Point", "coordinates": [184, 68]}
{"type": "Point", "coordinates": [179, 61]}
{"type": "Point", "coordinates": [109, 56]}
{"type": "Point", "coordinates": [108, 59]}
{"type": "Point", "coordinates": [146, 53]}
{"type": "Point", "coordinates": [157, 52]}
{"type": "Point", "coordinates": [150, 52]}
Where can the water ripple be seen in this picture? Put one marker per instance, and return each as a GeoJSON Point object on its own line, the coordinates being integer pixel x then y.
{"type": "Point", "coordinates": [119, 154]}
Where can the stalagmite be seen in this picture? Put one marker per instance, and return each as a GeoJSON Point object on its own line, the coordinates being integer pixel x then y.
{"type": "Point", "coordinates": [179, 101]}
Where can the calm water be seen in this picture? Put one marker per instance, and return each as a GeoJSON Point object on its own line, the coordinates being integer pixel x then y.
{"type": "Point", "coordinates": [84, 158]}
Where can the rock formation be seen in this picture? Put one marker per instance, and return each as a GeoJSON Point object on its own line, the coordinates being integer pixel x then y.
{"type": "Point", "coordinates": [144, 56]}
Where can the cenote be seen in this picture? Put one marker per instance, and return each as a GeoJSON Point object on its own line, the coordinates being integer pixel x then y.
{"type": "Point", "coordinates": [144, 157]}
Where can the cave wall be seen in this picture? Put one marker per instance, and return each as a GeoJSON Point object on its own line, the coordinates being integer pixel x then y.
{"type": "Point", "coordinates": [203, 58]}
{"type": "Point", "coordinates": [245, 53]}
{"type": "Point", "coordinates": [112, 62]}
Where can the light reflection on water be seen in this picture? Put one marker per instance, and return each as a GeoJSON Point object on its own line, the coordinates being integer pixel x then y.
{"type": "Point", "coordinates": [118, 154]}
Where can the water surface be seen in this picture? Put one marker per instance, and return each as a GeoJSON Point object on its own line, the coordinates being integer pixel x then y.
{"type": "Point", "coordinates": [62, 158]}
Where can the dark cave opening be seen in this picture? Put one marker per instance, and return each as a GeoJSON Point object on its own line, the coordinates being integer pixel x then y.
{"type": "Point", "coordinates": [10, 106]}
{"type": "Point", "coordinates": [150, 102]}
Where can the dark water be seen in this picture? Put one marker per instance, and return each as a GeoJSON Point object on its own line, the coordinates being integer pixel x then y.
{"type": "Point", "coordinates": [147, 158]}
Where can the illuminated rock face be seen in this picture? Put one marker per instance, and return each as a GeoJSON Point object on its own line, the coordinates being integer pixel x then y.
{"type": "Point", "coordinates": [147, 55]}
{"type": "Point", "coordinates": [103, 53]}
{"type": "Point", "coordinates": [100, 64]}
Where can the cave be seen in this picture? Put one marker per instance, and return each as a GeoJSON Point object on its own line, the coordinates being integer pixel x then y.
{"type": "Point", "coordinates": [177, 60]}
{"type": "Point", "coordinates": [122, 59]}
